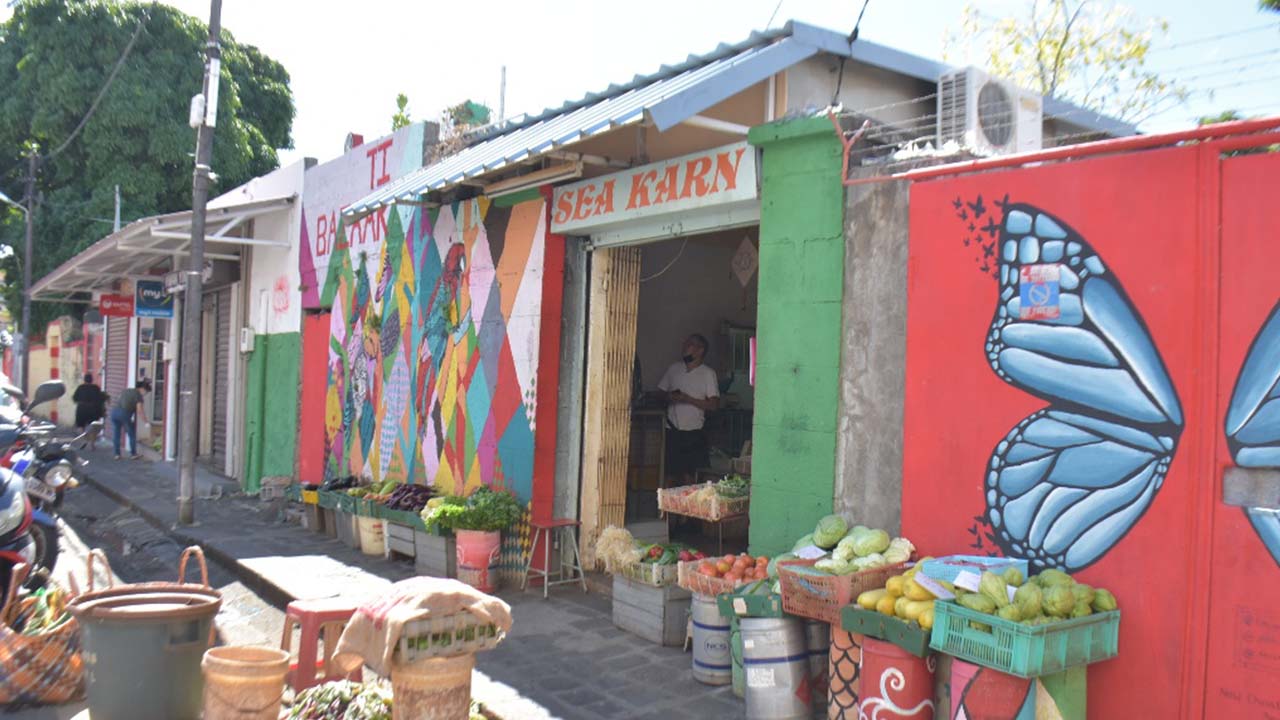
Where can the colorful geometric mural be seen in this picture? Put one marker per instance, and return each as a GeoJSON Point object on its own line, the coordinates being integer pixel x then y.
{"type": "Point", "coordinates": [434, 348]}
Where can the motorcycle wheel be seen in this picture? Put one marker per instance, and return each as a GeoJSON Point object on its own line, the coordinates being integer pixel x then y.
{"type": "Point", "coordinates": [46, 539]}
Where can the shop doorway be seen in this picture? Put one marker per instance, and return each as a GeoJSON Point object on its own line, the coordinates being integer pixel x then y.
{"type": "Point", "coordinates": [645, 302]}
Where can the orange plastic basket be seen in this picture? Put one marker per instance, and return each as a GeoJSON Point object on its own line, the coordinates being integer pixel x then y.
{"type": "Point", "coordinates": [816, 595]}
{"type": "Point", "coordinates": [688, 577]}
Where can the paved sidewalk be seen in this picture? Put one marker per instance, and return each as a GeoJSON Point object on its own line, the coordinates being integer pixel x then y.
{"type": "Point", "coordinates": [563, 658]}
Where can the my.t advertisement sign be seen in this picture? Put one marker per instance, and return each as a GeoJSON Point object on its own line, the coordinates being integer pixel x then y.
{"type": "Point", "coordinates": [116, 305]}
{"type": "Point", "coordinates": [152, 300]}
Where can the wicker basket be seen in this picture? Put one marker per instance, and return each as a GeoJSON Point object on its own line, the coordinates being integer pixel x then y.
{"type": "Point", "coordinates": [651, 573]}
{"type": "Point", "coordinates": [446, 636]}
{"type": "Point", "coordinates": [688, 577]}
{"type": "Point", "coordinates": [816, 595]}
{"type": "Point", "coordinates": [683, 501]}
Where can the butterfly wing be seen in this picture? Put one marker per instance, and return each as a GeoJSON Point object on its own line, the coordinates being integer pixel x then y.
{"type": "Point", "coordinates": [1253, 420]}
{"type": "Point", "coordinates": [1069, 481]}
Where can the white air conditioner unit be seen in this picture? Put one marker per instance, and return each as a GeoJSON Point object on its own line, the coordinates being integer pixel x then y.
{"type": "Point", "coordinates": [246, 340]}
{"type": "Point", "coordinates": [987, 115]}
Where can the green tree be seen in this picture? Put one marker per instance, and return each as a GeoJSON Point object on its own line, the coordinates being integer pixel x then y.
{"type": "Point", "coordinates": [55, 55]}
{"type": "Point", "coordinates": [401, 118]}
{"type": "Point", "coordinates": [1272, 5]}
{"type": "Point", "coordinates": [1089, 53]}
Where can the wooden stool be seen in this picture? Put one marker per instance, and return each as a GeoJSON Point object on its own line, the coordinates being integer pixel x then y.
{"type": "Point", "coordinates": [547, 530]}
{"type": "Point", "coordinates": [315, 618]}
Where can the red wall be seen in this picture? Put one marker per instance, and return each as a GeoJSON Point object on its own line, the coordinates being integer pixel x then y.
{"type": "Point", "coordinates": [315, 363]}
{"type": "Point", "coordinates": [1190, 563]}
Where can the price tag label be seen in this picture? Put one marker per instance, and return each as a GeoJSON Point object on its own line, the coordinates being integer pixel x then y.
{"type": "Point", "coordinates": [811, 552]}
{"type": "Point", "coordinates": [968, 580]}
{"type": "Point", "coordinates": [934, 587]}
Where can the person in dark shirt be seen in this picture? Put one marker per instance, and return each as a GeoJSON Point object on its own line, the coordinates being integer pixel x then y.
{"type": "Point", "coordinates": [90, 404]}
{"type": "Point", "coordinates": [124, 416]}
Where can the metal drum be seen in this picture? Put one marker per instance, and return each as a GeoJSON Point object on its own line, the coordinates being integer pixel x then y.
{"type": "Point", "coordinates": [776, 658]}
{"type": "Point", "coordinates": [818, 642]}
{"type": "Point", "coordinates": [712, 663]}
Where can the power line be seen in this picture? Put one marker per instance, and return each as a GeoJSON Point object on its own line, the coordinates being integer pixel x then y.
{"type": "Point", "coordinates": [146, 15]}
{"type": "Point", "coordinates": [776, 8]}
{"type": "Point", "coordinates": [1199, 41]}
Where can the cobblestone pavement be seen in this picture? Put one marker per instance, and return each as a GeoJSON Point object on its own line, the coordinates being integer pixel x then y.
{"type": "Point", "coordinates": [563, 658]}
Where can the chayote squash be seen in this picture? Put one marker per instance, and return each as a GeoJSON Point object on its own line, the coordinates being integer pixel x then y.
{"type": "Point", "coordinates": [1058, 601]}
{"type": "Point", "coordinates": [1013, 576]}
{"type": "Point", "coordinates": [978, 602]}
{"type": "Point", "coordinates": [994, 587]}
{"type": "Point", "coordinates": [1081, 610]}
{"type": "Point", "coordinates": [1029, 599]}
{"type": "Point", "coordinates": [1083, 592]}
{"type": "Point", "coordinates": [1049, 578]}
{"type": "Point", "coordinates": [1103, 600]}
{"type": "Point", "coordinates": [1010, 613]}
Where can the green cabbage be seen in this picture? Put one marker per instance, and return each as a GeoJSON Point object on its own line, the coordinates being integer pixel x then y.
{"type": "Point", "coordinates": [830, 531]}
{"type": "Point", "coordinates": [828, 565]}
{"type": "Point", "coordinates": [773, 564]}
{"type": "Point", "coordinates": [803, 542]}
{"type": "Point", "coordinates": [874, 560]}
{"type": "Point", "coordinates": [899, 551]}
{"type": "Point", "coordinates": [857, 530]}
{"type": "Point", "coordinates": [844, 550]}
{"type": "Point", "coordinates": [873, 541]}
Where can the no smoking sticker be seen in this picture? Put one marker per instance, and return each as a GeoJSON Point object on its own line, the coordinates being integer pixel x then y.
{"type": "Point", "coordinates": [1038, 292]}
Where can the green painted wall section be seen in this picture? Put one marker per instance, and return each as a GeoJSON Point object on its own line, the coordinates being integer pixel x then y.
{"type": "Point", "coordinates": [798, 357]}
{"type": "Point", "coordinates": [271, 408]}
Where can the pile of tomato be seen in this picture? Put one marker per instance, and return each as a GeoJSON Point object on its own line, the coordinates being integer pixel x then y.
{"type": "Point", "coordinates": [736, 568]}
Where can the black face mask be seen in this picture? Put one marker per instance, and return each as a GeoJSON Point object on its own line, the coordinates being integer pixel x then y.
{"type": "Point", "coordinates": [687, 359]}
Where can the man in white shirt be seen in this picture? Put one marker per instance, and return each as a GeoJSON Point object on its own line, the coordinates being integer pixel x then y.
{"type": "Point", "coordinates": [692, 390]}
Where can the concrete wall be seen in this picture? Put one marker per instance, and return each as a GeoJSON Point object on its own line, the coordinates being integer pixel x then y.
{"type": "Point", "coordinates": [812, 83]}
{"type": "Point", "coordinates": [873, 355]}
{"type": "Point", "coordinates": [697, 294]}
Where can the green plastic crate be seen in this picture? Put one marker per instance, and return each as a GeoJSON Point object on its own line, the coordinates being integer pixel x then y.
{"type": "Point", "coordinates": [403, 517]}
{"type": "Point", "coordinates": [328, 499]}
{"type": "Point", "coordinates": [750, 605]}
{"type": "Point", "coordinates": [346, 503]}
{"type": "Point", "coordinates": [1022, 650]}
{"type": "Point", "coordinates": [908, 636]}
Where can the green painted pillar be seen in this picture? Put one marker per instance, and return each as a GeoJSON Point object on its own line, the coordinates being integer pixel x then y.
{"type": "Point", "coordinates": [271, 408]}
{"type": "Point", "coordinates": [798, 328]}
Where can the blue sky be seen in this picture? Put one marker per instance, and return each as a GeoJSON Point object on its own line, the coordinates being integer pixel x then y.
{"type": "Point", "coordinates": [348, 60]}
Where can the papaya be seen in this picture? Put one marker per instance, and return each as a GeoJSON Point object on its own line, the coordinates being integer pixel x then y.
{"type": "Point", "coordinates": [900, 606]}
{"type": "Point", "coordinates": [884, 605]}
{"type": "Point", "coordinates": [868, 599]}
{"type": "Point", "coordinates": [894, 586]}
{"type": "Point", "coordinates": [915, 608]}
{"type": "Point", "coordinates": [914, 591]}
{"type": "Point", "coordinates": [926, 619]}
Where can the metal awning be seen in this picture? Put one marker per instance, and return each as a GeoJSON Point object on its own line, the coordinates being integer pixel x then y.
{"type": "Point", "coordinates": [152, 244]}
{"type": "Point", "coordinates": [666, 98]}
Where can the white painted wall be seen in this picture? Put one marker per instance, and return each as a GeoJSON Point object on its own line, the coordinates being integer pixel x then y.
{"type": "Point", "coordinates": [811, 84]}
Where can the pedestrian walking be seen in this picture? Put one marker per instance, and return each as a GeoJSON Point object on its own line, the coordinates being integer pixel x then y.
{"type": "Point", "coordinates": [91, 404]}
{"type": "Point", "coordinates": [124, 416]}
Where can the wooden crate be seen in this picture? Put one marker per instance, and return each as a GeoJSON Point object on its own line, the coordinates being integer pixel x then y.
{"type": "Point", "coordinates": [329, 521]}
{"type": "Point", "coordinates": [658, 615]}
{"type": "Point", "coordinates": [436, 555]}
{"type": "Point", "coordinates": [312, 519]}
{"type": "Point", "coordinates": [400, 540]}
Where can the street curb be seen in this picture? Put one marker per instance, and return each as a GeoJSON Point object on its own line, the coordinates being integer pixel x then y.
{"type": "Point", "coordinates": [256, 582]}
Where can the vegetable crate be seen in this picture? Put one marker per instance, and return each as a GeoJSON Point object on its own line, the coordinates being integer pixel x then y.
{"type": "Point", "coordinates": [651, 573]}
{"type": "Point", "coordinates": [701, 501]}
{"type": "Point", "coordinates": [1022, 650]}
{"type": "Point", "coordinates": [446, 636]}
{"type": "Point", "coordinates": [949, 567]}
{"type": "Point", "coordinates": [907, 635]}
{"type": "Point", "coordinates": [656, 614]}
{"type": "Point", "coordinates": [744, 603]}
{"type": "Point", "coordinates": [818, 596]}
{"type": "Point", "coordinates": [688, 577]}
{"type": "Point", "coordinates": [327, 499]}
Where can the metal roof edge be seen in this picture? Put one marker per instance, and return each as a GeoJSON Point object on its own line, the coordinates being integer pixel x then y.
{"type": "Point", "coordinates": [1061, 110]}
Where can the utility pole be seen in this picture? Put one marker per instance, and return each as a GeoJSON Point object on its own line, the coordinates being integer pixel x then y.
{"type": "Point", "coordinates": [30, 203]}
{"type": "Point", "coordinates": [502, 96]}
{"type": "Point", "coordinates": [204, 116]}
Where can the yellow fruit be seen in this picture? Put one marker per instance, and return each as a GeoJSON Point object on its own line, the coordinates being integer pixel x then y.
{"type": "Point", "coordinates": [926, 619]}
{"type": "Point", "coordinates": [894, 586]}
{"type": "Point", "coordinates": [900, 606]}
{"type": "Point", "coordinates": [914, 591]}
{"type": "Point", "coordinates": [915, 608]}
{"type": "Point", "coordinates": [868, 599]}
{"type": "Point", "coordinates": [884, 605]}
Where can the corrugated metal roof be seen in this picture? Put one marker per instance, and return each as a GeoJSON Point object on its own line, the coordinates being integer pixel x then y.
{"type": "Point", "coordinates": [669, 96]}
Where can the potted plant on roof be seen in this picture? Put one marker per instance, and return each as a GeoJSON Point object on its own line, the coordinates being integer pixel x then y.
{"type": "Point", "coordinates": [477, 521]}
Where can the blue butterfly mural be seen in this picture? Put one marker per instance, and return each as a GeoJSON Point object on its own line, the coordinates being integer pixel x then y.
{"type": "Point", "coordinates": [1253, 420]}
{"type": "Point", "coordinates": [1069, 481]}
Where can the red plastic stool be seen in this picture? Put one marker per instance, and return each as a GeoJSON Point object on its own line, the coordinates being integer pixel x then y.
{"type": "Point", "coordinates": [547, 529]}
{"type": "Point", "coordinates": [326, 617]}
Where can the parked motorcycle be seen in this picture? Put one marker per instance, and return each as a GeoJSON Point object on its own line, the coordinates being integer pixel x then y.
{"type": "Point", "coordinates": [18, 543]}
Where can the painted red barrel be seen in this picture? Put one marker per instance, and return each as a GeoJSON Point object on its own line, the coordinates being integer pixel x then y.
{"type": "Point", "coordinates": [980, 693]}
{"type": "Point", "coordinates": [843, 674]}
{"type": "Point", "coordinates": [478, 553]}
{"type": "Point", "coordinates": [895, 683]}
